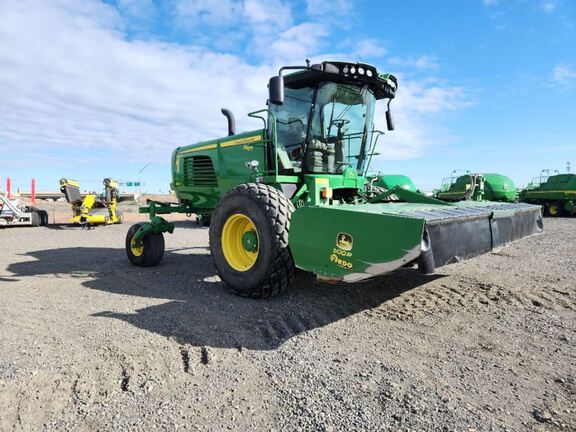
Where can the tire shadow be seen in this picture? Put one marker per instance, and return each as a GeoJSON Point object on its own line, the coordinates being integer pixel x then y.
{"type": "Point", "coordinates": [199, 310]}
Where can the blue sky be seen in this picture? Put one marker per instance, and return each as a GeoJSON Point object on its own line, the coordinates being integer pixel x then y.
{"type": "Point", "coordinates": [91, 89]}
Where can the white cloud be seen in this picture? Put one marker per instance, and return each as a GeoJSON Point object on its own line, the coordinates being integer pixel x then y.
{"type": "Point", "coordinates": [138, 9]}
{"type": "Point", "coordinates": [549, 5]}
{"type": "Point", "coordinates": [415, 110]}
{"type": "Point", "coordinates": [369, 48]}
{"type": "Point", "coordinates": [565, 76]}
{"type": "Point", "coordinates": [422, 62]}
{"type": "Point", "coordinates": [208, 12]}
{"type": "Point", "coordinates": [273, 12]}
{"type": "Point", "coordinates": [325, 8]}
{"type": "Point", "coordinates": [71, 83]}
{"type": "Point", "coordinates": [298, 42]}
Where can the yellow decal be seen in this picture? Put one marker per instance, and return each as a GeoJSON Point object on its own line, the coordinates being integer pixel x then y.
{"type": "Point", "coordinates": [344, 241]}
{"type": "Point", "coordinates": [322, 180]}
{"type": "Point", "coordinates": [340, 262]}
{"type": "Point", "coordinates": [351, 174]}
{"type": "Point", "coordinates": [195, 149]}
{"type": "Point", "coordinates": [177, 164]}
{"type": "Point", "coordinates": [248, 147]}
{"type": "Point", "coordinates": [239, 141]}
{"type": "Point", "coordinates": [341, 252]}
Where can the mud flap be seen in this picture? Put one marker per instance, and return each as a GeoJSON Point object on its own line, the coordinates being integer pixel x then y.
{"type": "Point", "coordinates": [446, 241]}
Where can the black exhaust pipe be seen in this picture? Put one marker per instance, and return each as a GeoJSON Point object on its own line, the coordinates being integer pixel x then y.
{"type": "Point", "coordinates": [231, 121]}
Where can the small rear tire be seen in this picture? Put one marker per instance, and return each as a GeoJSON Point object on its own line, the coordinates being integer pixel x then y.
{"type": "Point", "coordinates": [43, 217]}
{"type": "Point", "coordinates": [35, 219]}
{"type": "Point", "coordinates": [149, 253]}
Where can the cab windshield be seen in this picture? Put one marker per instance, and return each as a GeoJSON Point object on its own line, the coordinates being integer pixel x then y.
{"type": "Point", "coordinates": [324, 130]}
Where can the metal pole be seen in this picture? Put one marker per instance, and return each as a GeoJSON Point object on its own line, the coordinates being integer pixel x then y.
{"type": "Point", "coordinates": [139, 177]}
{"type": "Point", "coordinates": [33, 191]}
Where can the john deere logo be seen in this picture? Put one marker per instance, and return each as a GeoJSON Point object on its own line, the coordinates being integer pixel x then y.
{"type": "Point", "coordinates": [344, 241]}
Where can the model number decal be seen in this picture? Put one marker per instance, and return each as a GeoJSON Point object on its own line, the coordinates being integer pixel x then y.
{"type": "Point", "coordinates": [341, 262]}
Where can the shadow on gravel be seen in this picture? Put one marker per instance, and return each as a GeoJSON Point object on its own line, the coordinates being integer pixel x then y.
{"type": "Point", "coordinates": [62, 226]}
{"type": "Point", "coordinates": [199, 310]}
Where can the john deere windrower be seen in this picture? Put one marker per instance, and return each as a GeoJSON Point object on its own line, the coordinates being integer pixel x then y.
{"type": "Point", "coordinates": [294, 193]}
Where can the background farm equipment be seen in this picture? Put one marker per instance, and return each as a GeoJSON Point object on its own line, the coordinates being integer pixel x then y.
{"type": "Point", "coordinates": [477, 187]}
{"type": "Point", "coordinates": [17, 212]}
{"type": "Point", "coordinates": [84, 210]}
{"type": "Point", "coordinates": [295, 193]}
{"type": "Point", "coordinates": [556, 194]}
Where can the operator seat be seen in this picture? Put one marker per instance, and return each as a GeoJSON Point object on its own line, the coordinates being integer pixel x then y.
{"type": "Point", "coordinates": [71, 191]}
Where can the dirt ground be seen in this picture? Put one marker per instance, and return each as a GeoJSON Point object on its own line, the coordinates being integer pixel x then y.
{"type": "Point", "coordinates": [89, 342]}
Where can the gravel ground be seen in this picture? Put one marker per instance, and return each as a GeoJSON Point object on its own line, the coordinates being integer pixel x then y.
{"type": "Point", "coordinates": [88, 342]}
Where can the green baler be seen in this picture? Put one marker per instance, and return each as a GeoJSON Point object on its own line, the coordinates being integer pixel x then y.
{"type": "Point", "coordinates": [390, 181]}
{"type": "Point", "coordinates": [557, 194]}
{"type": "Point", "coordinates": [295, 193]}
{"type": "Point", "coordinates": [478, 187]}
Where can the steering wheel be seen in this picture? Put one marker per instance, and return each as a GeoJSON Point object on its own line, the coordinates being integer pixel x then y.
{"type": "Point", "coordinates": [339, 122]}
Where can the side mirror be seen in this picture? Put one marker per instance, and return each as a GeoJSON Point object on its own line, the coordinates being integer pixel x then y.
{"type": "Point", "coordinates": [276, 90]}
{"type": "Point", "coordinates": [389, 120]}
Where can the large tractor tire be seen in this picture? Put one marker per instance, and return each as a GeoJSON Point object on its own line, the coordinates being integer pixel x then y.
{"type": "Point", "coordinates": [249, 240]}
{"type": "Point", "coordinates": [149, 253]}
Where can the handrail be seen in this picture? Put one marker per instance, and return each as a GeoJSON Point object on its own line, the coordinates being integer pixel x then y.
{"type": "Point", "coordinates": [274, 133]}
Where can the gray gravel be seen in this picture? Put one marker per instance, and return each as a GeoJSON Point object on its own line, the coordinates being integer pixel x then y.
{"type": "Point", "coordinates": [88, 342]}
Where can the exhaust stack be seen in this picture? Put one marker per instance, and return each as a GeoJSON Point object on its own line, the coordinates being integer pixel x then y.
{"type": "Point", "coordinates": [231, 121]}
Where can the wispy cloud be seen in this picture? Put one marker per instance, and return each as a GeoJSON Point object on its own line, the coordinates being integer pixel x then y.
{"type": "Point", "coordinates": [422, 62]}
{"type": "Point", "coordinates": [335, 7]}
{"type": "Point", "coordinates": [416, 110]}
{"type": "Point", "coordinates": [565, 76]}
{"type": "Point", "coordinates": [369, 48]}
{"type": "Point", "coordinates": [549, 6]}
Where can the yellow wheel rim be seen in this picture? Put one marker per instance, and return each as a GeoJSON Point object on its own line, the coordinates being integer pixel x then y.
{"type": "Point", "coordinates": [553, 210]}
{"type": "Point", "coordinates": [136, 250]}
{"type": "Point", "coordinates": [234, 234]}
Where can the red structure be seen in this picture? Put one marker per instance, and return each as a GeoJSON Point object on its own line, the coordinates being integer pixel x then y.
{"type": "Point", "coordinates": [8, 192]}
{"type": "Point", "coordinates": [33, 191]}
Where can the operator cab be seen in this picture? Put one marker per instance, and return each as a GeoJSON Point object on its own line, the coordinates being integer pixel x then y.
{"type": "Point", "coordinates": [324, 118]}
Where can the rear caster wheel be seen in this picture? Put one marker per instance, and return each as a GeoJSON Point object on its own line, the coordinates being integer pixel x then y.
{"type": "Point", "coordinates": [149, 252]}
{"type": "Point", "coordinates": [43, 217]}
{"type": "Point", "coordinates": [35, 219]}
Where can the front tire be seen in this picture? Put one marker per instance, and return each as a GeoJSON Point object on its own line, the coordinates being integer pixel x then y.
{"type": "Point", "coordinates": [554, 209]}
{"type": "Point", "coordinates": [149, 253]}
{"type": "Point", "coordinates": [249, 240]}
{"type": "Point", "coordinates": [35, 219]}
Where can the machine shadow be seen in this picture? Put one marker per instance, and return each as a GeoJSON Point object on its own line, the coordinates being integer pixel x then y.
{"type": "Point", "coordinates": [198, 310]}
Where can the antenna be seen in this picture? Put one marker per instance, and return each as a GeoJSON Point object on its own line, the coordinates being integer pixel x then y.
{"type": "Point", "coordinates": [567, 167]}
